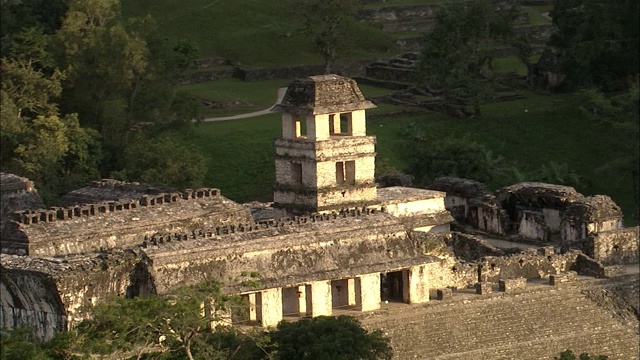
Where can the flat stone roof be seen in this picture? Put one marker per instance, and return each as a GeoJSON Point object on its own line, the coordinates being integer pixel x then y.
{"type": "Point", "coordinates": [401, 194]}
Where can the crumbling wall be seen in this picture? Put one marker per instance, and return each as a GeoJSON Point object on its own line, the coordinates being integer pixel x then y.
{"type": "Point", "coordinates": [471, 248]}
{"type": "Point", "coordinates": [615, 246]}
{"type": "Point", "coordinates": [29, 299]}
{"type": "Point", "coordinates": [18, 193]}
{"type": "Point", "coordinates": [78, 282]}
{"type": "Point", "coordinates": [528, 264]}
{"type": "Point", "coordinates": [89, 228]}
{"type": "Point", "coordinates": [283, 251]}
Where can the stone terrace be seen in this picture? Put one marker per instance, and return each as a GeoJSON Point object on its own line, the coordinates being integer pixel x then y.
{"type": "Point", "coordinates": [537, 323]}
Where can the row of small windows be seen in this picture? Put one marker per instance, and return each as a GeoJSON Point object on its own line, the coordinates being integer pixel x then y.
{"type": "Point", "coordinates": [339, 124]}
{"type": "Point", "coordinates": [345, 172]}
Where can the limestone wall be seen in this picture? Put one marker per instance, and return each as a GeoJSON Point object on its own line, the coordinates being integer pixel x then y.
{"type": "Point", "coordinates": [616, 246]}
{"type": "Point", "coordinates": [30, 299]}
{"type": "Point", "coordinates": [286, 257]}
{"type": "Point", "coordinates": [94, 227]}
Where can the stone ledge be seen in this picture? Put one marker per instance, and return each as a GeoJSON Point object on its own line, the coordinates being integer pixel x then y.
{"type": "Point", "coordinates": [569, 276]}
{"type": "Point", "coordinates": [509, 285]}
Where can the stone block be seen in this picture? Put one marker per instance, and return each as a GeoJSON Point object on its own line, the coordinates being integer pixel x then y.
{"type": "Point", "coordinates": [443, 294]}
{"type": "Point", "coordinates": [509, 285]}
{"type": "Point", "coordinates": [563, 277]}
{"type": "Point", "coordinates": [483, 288]}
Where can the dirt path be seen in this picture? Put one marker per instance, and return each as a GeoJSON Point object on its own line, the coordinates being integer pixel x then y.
{"type": "Point", "coordinates": [266, 111]}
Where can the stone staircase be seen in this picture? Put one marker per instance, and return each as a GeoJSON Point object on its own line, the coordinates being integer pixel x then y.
{"type": "Point", "coordinates": [538, 323]}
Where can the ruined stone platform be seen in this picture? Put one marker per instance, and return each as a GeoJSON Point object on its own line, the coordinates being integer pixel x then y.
{"type": "Point", "coordinates": [537, 322]}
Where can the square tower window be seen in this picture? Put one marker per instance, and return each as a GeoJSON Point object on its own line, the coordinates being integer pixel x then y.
{"type": "Point", "coordinates": [340, 124]}
{"type": "Point", "coordinates": [299, 126]}
{"type": "Point", "coordinates": [346, 172]}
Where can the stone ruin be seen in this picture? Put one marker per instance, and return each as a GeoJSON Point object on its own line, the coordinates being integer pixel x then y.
{"type": "Point", "coordinates": [331, 241]}
{"type": "Point", "coordinates": [545, 214]}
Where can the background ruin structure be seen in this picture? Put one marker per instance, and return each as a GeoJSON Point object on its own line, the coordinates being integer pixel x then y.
{"type": "Point", "coordinates": [332, 241]}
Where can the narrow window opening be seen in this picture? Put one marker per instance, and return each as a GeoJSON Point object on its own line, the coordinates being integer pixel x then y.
{"type": "Point", "coordinates": [346, 127]}
{"type": "Point", "coordinates": [299, 126]}
{"type": "Point", "coordinates": [346, 172]}
{"type": "Point", "coordinates": [296, 173]}
{"type": "Point", "coordinates": [334, 126]}
{"type": "Point", "coordinates": [340, 172]}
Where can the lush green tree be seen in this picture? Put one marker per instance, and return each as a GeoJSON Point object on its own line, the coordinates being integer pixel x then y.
{"type": "Point", "coordinates": [164, 160]}
{"type": "Point", "coordinates": [458, 157]}
{"type": "Point", "coordinates": [120, 74]}
{"type": "Point", "coordinates": [328, 23]}
{"type": "Point", "coordinates": [16, 344]}
{"type": "Point", "coordinates": [19, 14]}
{"type": "Point", "coordinates": [621, 113]}
{"type": "Point", "coordinates": [598, 40]}
{"type": "Point", "coordinates": [457, 50]}
{"type": "Point", "coordinates": [329, 338]}
{"type": "Point", "coordinates": [35, 140]}
{"type": "Point", "coordinates": [169, 326]}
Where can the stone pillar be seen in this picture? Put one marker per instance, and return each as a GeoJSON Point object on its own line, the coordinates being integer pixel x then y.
{"type": "Point", "coordinates": [302, 300]}
{"type": "Point", "coordinates": [271, 307]}
{"type": "Point", "coordinates": [367, 291]}
{"type": "Point", "coordinates": [418, 285]}
{"type": "Point", "coordinates": [351, 291]}
{"type": "Point", "coordinates": [253, 316]}
{"type": "Point", "coordinates": [320, 298]}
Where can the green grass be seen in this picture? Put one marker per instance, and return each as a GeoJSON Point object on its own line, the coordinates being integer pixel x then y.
{"type": "Point", "coordinates": [254, 95]}
{"type": "Point", "coordinates": [535, 15]}
{"type": "Point", "coordinates": [250, 33]}
{"type": "Point", "coordinates": [551, 129]}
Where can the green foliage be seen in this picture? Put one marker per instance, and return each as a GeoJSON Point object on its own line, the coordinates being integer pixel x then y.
{"type": "Point", "coordinates": [152, 325]}
{"type": "Point", "coordinates": [328, 338]}
{"type": "Point", "coordinates": [599, 42]}
{"type": "Point", "coordinates": [16, 344]}
{"type": "Point", "coordinates": [164, 161]}
{"type": "Point", "coordinates": [35, 140]}
{"type": "Point", "coordinates": [621, 114]}
{"type": "Point", "coordinates": [328, 23]}
{"type": "Point", "coordinates": [456, 49]}
{"type": "Point", "coordinates": [569, 355]}
{"type": "Point", "coordinates": [457, 157]}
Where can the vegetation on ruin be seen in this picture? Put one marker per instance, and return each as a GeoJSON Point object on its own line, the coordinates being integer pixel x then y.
{"type": "Point", "coordinates": [191, 323]}
{"type": "Point", "coordinates": [570, 355]}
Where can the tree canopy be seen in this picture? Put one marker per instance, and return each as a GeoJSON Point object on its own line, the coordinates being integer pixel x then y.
{"type": "Point", "coordinates": [79, 84]}
{"type": "Point", "coordinates": [330, 338]}
{"type": "Point", "coordinates": [458, 50]}
{"type": "Point", "coordinates": [598, 40]}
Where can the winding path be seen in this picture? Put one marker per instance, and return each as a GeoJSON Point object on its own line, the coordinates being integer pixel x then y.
{"type": "Point", "coordinates": [266, 111]}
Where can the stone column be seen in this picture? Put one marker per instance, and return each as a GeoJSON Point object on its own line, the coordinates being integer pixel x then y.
{"type": "Point", "coordinates": [367, 291]}
{"type": "Point", "coordinates": [320, 298]}
{"type": "Point", "coordinates": [302, 300]}
{"type": "Point", "coordinates": [271, 309]}
{"type": "Point", "coordinates": [351, 291]}
{"type": "Point", "coordinates": [418, 285]}
{"type": "Point", "coordinates": [253, 315]}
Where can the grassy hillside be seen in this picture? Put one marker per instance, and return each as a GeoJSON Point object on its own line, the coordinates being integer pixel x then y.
{"type": "Point", "coordinates": [251, 33]}
{"type": "Point", "coordinates": [530, 132]}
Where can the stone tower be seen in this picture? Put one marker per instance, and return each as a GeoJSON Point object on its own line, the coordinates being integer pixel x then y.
{"type": "Point", "coordinates": [324, 159]}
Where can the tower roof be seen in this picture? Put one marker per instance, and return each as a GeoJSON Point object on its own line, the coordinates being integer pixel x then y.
{"type": "Point", "coordinates": [322, 94]}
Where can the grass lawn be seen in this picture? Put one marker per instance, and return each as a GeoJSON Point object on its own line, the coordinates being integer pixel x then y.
{"type": "Point", "coordinates": [552, 129]}
{"type": "Point", "coordinates": [251, 33]}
